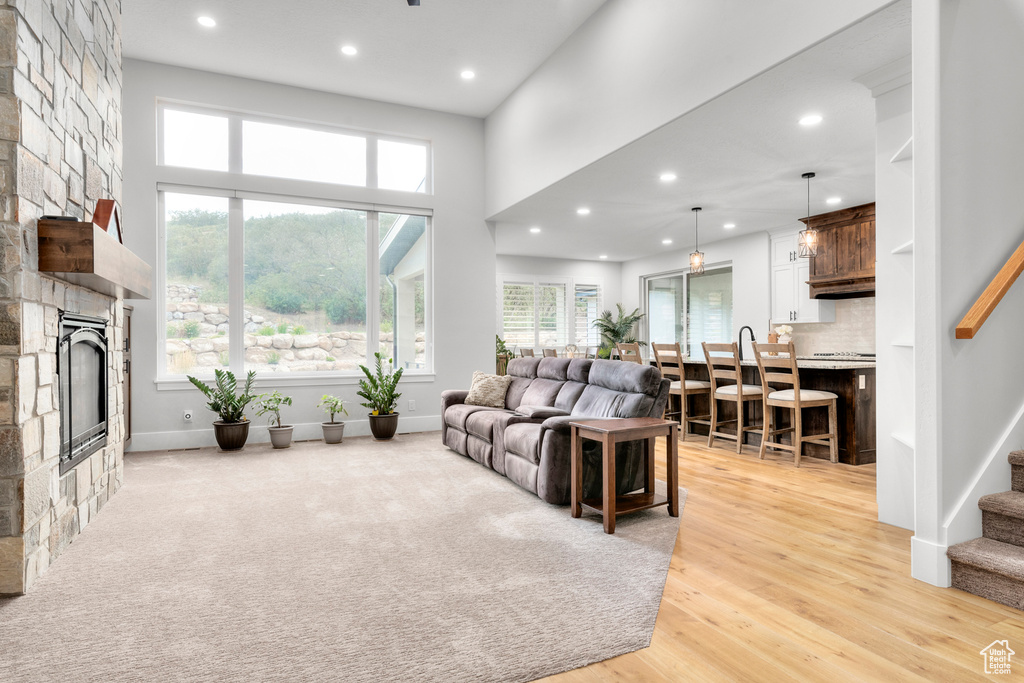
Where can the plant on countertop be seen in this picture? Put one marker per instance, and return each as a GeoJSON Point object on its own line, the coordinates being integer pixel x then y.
{"type": "Point", "coordinates": [379, 387]}
{"type": "Point", "coordinates": [332, 405]}
{"type": "Point", "coordinates": [224, 399]}
{"type": "Point", "coordinates": [270, 404]}
{"type": "Point", "coordinates": [783, 330]}
{"type": "Point", "coordinates": [620, 331]}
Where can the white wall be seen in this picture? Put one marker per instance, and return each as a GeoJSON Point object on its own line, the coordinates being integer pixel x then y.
{"type": "Point", "coordinates": [634, 66]}
{"type": "Point", "coordinates": [608, 274]}
{"type": "Point", "coordinates": [463, 253]}
{"type": "Point", "coordinates": [751, 278]}
{"type": "Point", "coordinates": [968, 219]}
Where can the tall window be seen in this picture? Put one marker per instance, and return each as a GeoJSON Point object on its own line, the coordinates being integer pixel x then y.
{"type": "Point", "coordinates": [277, 283]}
{"type": "Point", "coordinates": [539, 312]}
{"type": "Point", "coordinates": [689, 309]}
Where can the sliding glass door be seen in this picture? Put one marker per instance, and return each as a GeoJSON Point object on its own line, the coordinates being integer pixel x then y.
{"type": "Point", "coordinates": [689, 309]}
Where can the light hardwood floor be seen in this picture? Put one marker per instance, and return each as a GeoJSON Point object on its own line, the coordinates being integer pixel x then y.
{"type": "Point", "coordinates": [785, 574]}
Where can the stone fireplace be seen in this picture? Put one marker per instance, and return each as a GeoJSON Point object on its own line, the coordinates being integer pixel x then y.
{"type": "Point", "coordinates": [60, 151]}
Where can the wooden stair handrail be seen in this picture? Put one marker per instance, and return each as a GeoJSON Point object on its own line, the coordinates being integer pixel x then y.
{"type": "Point", "coordinates": [993, 294]}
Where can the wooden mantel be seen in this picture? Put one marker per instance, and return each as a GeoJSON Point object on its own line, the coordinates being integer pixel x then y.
{"type": "Point", "coordinates": [86, 255]}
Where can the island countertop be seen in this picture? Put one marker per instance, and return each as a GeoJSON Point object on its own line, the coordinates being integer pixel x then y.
{"type": "Point", "coordinates": [802, 364]}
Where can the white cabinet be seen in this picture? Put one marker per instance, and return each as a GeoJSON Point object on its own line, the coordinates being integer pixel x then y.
{"type": "Point", "coordinates": [791, 295]}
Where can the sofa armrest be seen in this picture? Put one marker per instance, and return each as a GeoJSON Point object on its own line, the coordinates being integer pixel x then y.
{"type": "Point", "coordinates": [540, 412]}
{"type": "Point", "coordinates": [452, 397]}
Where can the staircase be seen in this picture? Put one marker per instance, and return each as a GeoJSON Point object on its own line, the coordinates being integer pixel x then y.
{"type": "Point", "coordinates": [993, 566]}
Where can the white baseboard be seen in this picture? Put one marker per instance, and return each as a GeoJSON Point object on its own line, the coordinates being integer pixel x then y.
{"type": "Point", "coordinates": [928, 562]}
{"type": "Point", "coordinates": [199, 438]}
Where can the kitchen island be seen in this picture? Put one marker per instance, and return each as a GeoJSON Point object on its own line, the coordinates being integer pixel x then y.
{"type": "Point", "coordinates": [852, 381]}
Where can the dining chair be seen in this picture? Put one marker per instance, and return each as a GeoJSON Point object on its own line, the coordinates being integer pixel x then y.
{"type": "Point", "coordinates": [777, 365]}
{"type": "Point", "coordinates": [727, 385]}
{"type": "Point", "coordinates": [669, 358]}
{"type": "Point", "coordinates": [629, 352]}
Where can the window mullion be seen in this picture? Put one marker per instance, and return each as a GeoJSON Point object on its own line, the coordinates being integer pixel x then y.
{"type": "Point", "coordinates": [236, 286]}
{"type": "Point", "coordinates": [371, 161]}
{"type": "Point", "coordinates": [372, 285]}
{"type": "Point", "coordinates": [234, 144]}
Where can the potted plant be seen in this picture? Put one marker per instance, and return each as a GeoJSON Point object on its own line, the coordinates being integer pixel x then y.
{"type": "Point", "coordinates": [379, 391]}
{"type": "Point", "coordinates": [270, 404]}
{"type": "Point", "coordinates": [502, 355]}
{"type": "Point", "coordinates": [333, 431]}
{"type": "Point", "coordinates": [619, 331]}
{"type": "Point", "coordinates": [232, 429]}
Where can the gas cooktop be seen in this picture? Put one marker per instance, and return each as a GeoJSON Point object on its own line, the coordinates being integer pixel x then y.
{"type": "Point", "coordinates": [840, 355]}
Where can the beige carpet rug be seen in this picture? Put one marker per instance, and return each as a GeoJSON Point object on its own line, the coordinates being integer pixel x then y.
{"type": "Point", "coordinates": [364, 561]}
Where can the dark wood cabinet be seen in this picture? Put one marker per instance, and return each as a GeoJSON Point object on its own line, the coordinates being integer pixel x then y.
{"type": "Point", "coordinates": [844, 267]}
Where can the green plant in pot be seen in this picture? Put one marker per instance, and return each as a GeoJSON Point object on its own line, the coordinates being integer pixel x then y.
{"type": "Point", "coordinates": [332, 405]}
{"type": "Point", "coordinates": [232, 429]}
{"type": "Point", "coordinates": [270, 404]}
{"type": "Point", "coordinates": [502, 354]}
{"type": "Point", "coordinates": [379, 391]}
{"type": "Point", "coordinates": [619, 331]}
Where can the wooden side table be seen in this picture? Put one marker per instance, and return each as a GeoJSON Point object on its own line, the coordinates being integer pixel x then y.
{"type": "Point", "coordinates": [608, 433]}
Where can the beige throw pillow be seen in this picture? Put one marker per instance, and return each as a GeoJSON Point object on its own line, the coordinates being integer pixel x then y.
{"type": "Point", "coordinates": [488, 390]}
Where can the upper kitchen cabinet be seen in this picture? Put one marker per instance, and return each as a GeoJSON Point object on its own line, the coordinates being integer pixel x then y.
{"type": "Point", "coordinates": [791, 297]}
{"type": "Point", "coordinates": [844, 267]}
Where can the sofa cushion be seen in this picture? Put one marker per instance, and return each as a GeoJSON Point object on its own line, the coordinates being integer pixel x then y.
{"type": "Point", "coordinates": [601, 402]}
{"type": "Point", "coordinates": [553, 368]}
{"type": "Point", "coordinates": [540, 412]}
{"type": "Point", "coordinates": [626, 377]}
{"type": "Point", "coordinates": [523, 439]}
{"type": "Point", "coordinates": [568, 395]}
{"type": "Point", "coordinates": [457, 415]}
{"type": "Point", "coordinates": [542, 392]}
{"type": "Point", "coordinates": [482, 422]}
{"type": "Point", "coordinates": [523, 367]}
{"type": "Point", "coordinates": [488, 390]}
{"type": "Point", "coordinates": [579, 370]}
{"type": "Point", "coordinates": [514, 395]}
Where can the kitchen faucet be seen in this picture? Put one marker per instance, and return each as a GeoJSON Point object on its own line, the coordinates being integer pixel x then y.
{"type": "Point", "coordinates": [752, 338]}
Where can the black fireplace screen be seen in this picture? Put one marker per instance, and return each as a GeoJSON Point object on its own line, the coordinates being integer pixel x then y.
{"type": "Point", "coordinates": [82, 369]}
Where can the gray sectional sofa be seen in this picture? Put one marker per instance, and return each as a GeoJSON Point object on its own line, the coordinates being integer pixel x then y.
{"type": "Point", "coordinates": [528, 439]}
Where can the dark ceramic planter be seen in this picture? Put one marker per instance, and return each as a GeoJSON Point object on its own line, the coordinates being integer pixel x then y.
{"type": "Point", "coordinates": [231, 436]}
{"type": "Point", "coordinates": [384, 426]}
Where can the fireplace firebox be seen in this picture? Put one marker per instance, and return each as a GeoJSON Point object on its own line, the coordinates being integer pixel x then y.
{"type": "Point", "coordinates": [82, 371]}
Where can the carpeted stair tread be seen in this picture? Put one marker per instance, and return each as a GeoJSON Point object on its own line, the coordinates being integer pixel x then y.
{"type": "Point", "coordinates": [1008, 503]}
{"type": "Point", "coordinates": [993, 556]}
{"type": "Point", "coordinates": [1017, 458]}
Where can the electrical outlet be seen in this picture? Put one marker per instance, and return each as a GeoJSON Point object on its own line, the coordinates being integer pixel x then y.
{"type": "Point", "coordinates": [187, 416]}
{"type": "Point", "coordinates": [412, 405]}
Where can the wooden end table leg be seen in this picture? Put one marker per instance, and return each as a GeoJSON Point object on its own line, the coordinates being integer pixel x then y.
{"type": "Point", "coordinates": [672, 464]}
{"type": "Point", "coordinates": [576, 471]}
{"type": "Point", "coordinates": [608, 458]}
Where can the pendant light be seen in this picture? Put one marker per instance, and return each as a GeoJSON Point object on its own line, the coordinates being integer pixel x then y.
{"type": "Point", "coordinates": [808, 241]}
{"type": "Point", "coordinates": [697, 257]}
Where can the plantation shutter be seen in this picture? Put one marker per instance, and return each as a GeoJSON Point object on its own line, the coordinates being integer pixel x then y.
{"type": "Point", "coordinates": [536, 313]}
{"type": "Point", "coordinates": [518, 305]}
{"type": "Point", "coordinates": [587, 308]}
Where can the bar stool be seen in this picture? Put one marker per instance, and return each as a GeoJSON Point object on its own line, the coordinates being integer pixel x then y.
{"type": "Point", "coordinates": [726, 366]}
{"type": "Point", "coordinates": [629, 352]}
{"type": "Point", "coordinates": [526, 353]}
{"type": "Point", "coordinates": [550, 353]}
{"type": "Point", "coordinates": [682, 388]}
{"type": "Point", "coordinates": [772, 369]}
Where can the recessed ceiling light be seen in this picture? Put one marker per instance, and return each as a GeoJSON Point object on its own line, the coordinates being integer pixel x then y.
{"type": "Point", "coordinates": [583, 211]}
{"type": "Point", "coordinates": [833, 200]}
{"type": "Point", "coordinates": [666, 241]}
{"type": "Point", "coordinates": [668, 177]}
{"type": "Point", "coordinates": [729, 226]}
{"type": "Point", "coordinates": [208, 22]}
{"type": "Point", "coordinates": [603, 256]}
{"type": "Point", "coordinates": [467, 75]}
{"type": "Point", "coordinates": [535, 230]}
{"type": "Point", "coordinates": [811, 120]}
{"type": "Point", "coordinates": [349, 50]}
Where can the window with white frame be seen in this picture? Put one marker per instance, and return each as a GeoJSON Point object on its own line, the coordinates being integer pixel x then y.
{"type": "Point", "coordinates": [688, 309]}
{"type": "Point", "coordinates": [306, 282]}
{"type": "Point", "coordinates": [545, 312]}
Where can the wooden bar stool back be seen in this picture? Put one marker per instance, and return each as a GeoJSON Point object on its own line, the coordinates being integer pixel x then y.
{"type": "Point", "coordinates": [781, 369]}
{"type": "Point", "coordinates": [550, 353]}
{"type": "Point", "coordinates": [629, 352]}
{"type": "Point", "coordinates": [727, 385]}
{"type": "Point", "coordinates": [526, 353]}
{"type": "Point", "coordinates": [669, 358]}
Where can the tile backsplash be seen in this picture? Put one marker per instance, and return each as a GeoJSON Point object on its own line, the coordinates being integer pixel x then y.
{"type": "Point", "coordinates": [853, 330]}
